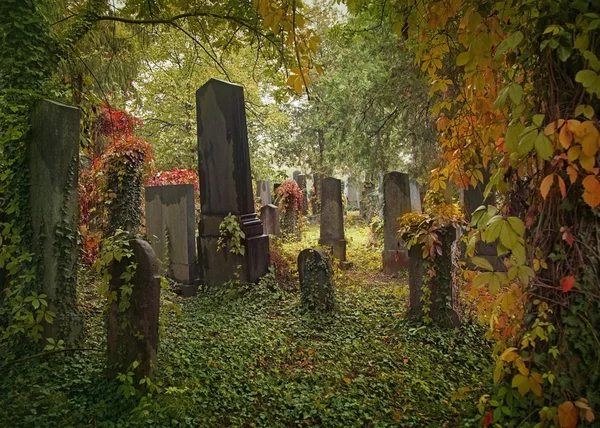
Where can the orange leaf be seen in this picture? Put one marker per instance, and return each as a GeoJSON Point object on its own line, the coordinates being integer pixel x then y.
{"type": "Point", "coordinates": [547, 185]}
{"type": "Point", "coordinates": [567, 283]}
{"type": "Point", "coordinates": [551, 127]}
{"type": "Point", "coordinates": [589, 143]}
{"type": "Point", "coordinates": [443, 122]}
{"type": "Point", "coordinates": [567, 415]}
{"type": "Point", "coordinates": [591, 194]}
{"type": "Point", "coordinates": [565, 137]}
{"type": "Point", "coordinates": [572, 172]}
{"type": "Point", "coordinates": [562, 186]}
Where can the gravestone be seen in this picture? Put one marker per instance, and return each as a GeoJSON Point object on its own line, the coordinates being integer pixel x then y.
{"type": "Point", "coordinates": [443, 300]}
{"type": "Point", "coordinates": [295, 176]}
{"type": "Point", "coordinates": [353, 195]}
{"type": "Point", "coordinates": [400, 197]}
{"type": "Point", "coordinates": [54, 163]}
{"type": "Point", "coordinates": [369, 202]}
{"type": "Point", "coordinates": [302, 184]}
{"type": "Point", "coordinates": [472, 198]}
{"type": "Point", "coordinates": [170, 225]}
{"type": "Point", "coordinates": [133, 332]}
{"type": "Point", "coordinates": [263, 191]}
{"type": "Point", "coordinates": [290, 212]}
{"type": "Point", "coordinates": [269, 215]}
{"type": "Point", "coordinates": [226, 186]}
{"type": "Point", "coordinates": [316, 195]}
{"type": "Point", "coordinates": [317, 289]}
{"type": "Point", "coordinates": [332, 218]}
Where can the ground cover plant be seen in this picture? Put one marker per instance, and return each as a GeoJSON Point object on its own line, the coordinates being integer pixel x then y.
{"type": "Point", "coordinates": [249, 356]}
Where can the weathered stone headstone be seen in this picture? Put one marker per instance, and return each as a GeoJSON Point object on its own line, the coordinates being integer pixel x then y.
{"type": "Point", "coordinates": [226, 186]}
{"type": "Point", "coordinates": [332, 218]}
{"type": "Point", "coordinates": [170, 225]}
{"type": "Point", "coordinates": [316, 195]}
{"type": "Point", "coordinates": [54, 163]}
{"type": "Point", "coordinates": [317, 289]}
{"type": "Point", "coordinates": [400, 197]}
{"type": "Point", "coordinates": [302, 184]}
{"type": "Point", "coordinates": [353, 195]}
{"type": "Point", "coordinates": [369, 202]}
{"type": "Point", "coordinates": [263, 191]}
{"type": "Point", "coordinates": [472, 198]}
{"type": "Point", "coordinates": [269, 215]}
{"type": "Point", "coordinates": [295, 175]}
{"type": "Point", "coordinates": [133, 331]}
{"type": "Point", "coordinates": [443, 300]}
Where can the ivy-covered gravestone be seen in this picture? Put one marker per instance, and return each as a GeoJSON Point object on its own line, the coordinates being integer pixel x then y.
{"type": "Point", "coordinates": [317, 288]}
{"type": "Point", "coordinates": [434, 297]}
{"type": "Point", "coordinates": [133, 316]}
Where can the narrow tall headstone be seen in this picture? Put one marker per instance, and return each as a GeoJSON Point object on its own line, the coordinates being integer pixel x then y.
{"type": "Point", "coordinates": [54, 163]}
{"type": "Point", "coordinates": [302, 184]}
{"type": "Point", "coordinates": [263, 191]}
{"type": "Point", "coordinates": [226, 186]}
{"type": "Point", "coordinates": [133, 324]}
{"type": "Point", "coordinates": [269, 215]}
{"type": "Point", "coordinates": [295, 175]}
{"type": "Point", "coordinates": [332, 217]}
{"type": "Point", "coordinates": [317, 289]}
{"type": "Point", "coordinates": [316, 196]}
{"type": "Point", "coordinates": [353, 195]}
{"type": "Point", "coordinates": [400, 197]}
{"type": "Point", "coordinates": [171, 229]}
{"type": "Point", "coordinates": [443, 300]}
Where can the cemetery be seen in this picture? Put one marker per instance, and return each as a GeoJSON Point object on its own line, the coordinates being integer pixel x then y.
{"type": "Point", "coordinates": [276, 214]}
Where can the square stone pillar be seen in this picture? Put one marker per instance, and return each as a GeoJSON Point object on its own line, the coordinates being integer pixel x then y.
{"type": "Point", "coordinates": [226, 186]}
{"type": "Point", "coordinates": [332, 217]}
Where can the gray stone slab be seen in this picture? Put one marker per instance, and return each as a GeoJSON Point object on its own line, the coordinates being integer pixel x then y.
{"type": "Point", "coordinates": [54, 163]}
{"type": "Point", "coordinates": [170, 226]}
{"type": "Point", "coordinates": [317, 289]}
{"type": "Point", "coordinates": [263, 191]}
{"type": "Point", "coordinates": [269, 214]}
{"type": "Point", "coordinates": [400, 197]}
{"type": "Point", "coordinates": [332, 217]}
{"type": "Point", "coordinates": [226, 186]}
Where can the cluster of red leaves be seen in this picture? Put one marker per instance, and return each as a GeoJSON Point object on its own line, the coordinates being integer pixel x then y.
{"type": "Point", "coordinates": [290, 196]}
{"type": "Point", "coordinates": [115, 123]}
{"type": "Point", "coordinates": [177, 176]}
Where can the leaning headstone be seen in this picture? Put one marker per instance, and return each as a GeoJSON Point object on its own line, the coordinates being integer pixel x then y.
{"type": "Point", "coordinates": [54, 163]}
{"type": "Point", "coordinates": [302, 184]}
{"type": "Point", "coordinates": [400, 197]}
{"type": "Point", "coordinates": [317, 289]}
{"type": "Point", "coordinates": [442, 303]}
{"type": "Point", "coordinates": [226, 186]}
{"type": "Point", "coordinates": [263, 191]}
{"type": "Point", "coordinates": [269, 215]}
{"type": "Point", "coordinates": [332, 218]}
{"type": "Point", "coordinates": [171, 225]}
{"type": "Point", "coordinates": [133, 319]}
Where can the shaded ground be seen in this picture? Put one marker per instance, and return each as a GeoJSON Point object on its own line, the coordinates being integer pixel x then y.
{"type": "Point", "coordinates": [249, 357]}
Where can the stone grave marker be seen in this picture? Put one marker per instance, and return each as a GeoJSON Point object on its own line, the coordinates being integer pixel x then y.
{"type": "Point", "coordinates": [269, 215]}
{"type": "Point", "coordinates": [444, 305]}
{"type": "Point", "coordinates": [54, 162]}
{"type": "Point", "coordinates": [171, 229]}
{"type": "Point", "coordinates": [263, 191]}
{"type": "Point", "coordinates": [317, 289]}
{"type": "Point", "coordinates": [302, 184]}
{"type": "Point", "coordinates": [226, 186]}
{"type": "Point", "coordinates": [400, 197]}
{"type": "Point", "coordinates": [133, 332]}
{"type": "Point", "coordinates": [332, 218]}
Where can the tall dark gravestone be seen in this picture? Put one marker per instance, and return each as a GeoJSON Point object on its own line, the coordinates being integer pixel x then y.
{"type": "Point", "coordinates": [400, 196]}
{"type": "Point", "coordinates": [332, 218]}
{"type": "Point", "coordinates": [302, 184]}
{"type": "Point", "coordinates": [226, 186]}
{"type": "Point", "coordinates": [54, 164]}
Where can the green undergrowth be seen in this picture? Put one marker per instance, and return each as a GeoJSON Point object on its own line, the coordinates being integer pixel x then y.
{"type": "Point", "coordinates": [248, 356]}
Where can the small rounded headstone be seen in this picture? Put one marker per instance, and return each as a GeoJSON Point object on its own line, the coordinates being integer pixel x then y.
{"type": "Point", "coordinates": [317, 289]}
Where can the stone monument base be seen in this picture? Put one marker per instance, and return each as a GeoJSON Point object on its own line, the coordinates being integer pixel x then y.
{"type": "Point", "coordinates": [338, 247]}
{"type": "Point", "coordinates": [394, 261]}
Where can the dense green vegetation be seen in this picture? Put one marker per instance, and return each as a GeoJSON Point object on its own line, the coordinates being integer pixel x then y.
{"type": "Point", "coordinates": [248, 356]}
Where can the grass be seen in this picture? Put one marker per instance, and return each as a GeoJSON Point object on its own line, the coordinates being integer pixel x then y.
{"type": "Point", "coordinates": [247, 356]}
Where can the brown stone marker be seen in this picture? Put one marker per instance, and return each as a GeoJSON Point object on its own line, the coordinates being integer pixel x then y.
{"type": "Point", "coordinates": [226, 186]}
{"type": "Point", "coordinates": [332, 218]}
{"type": "Point", "coordinates": [269, 215]}
{"type": "Point", "coordinates": [317, 289]}
{"type": "Point", "coordinates": [133, 332]}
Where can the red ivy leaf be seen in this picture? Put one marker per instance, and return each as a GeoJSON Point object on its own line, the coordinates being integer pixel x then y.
{"type": "Point", "coordinates": [566, 235]}
{"type": "Point", "coordinates": [567, 283]}
{"type": "Point", "coordinates": [488, 419]}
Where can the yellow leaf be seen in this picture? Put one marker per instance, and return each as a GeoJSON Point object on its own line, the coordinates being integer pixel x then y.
{"type": "Point", "coordinates": [537, 377]}
{"type": "Point", "coordinates": [498, 372]}
{"type": "Point", "coordinates": [347, 380]}
{"type": "Point", "coordinates": [587, 162]}
{"type": "Point", "coordinates": [536, 388]}
{"type": "Point", "coordinates": [589, 143]}
{"type": "Point", "coordinates": [573, 153]}
{"type": "Point", "coordinates": [298, 85]}
{"type": "Point", "coordinates": [521, 367]}
{"type": "Point", "coordinates": [552, 126]}
{"type": "Point", "coordinates": [546, 185]}
{"type": "Point", "coordinates": [591, 194]}
{"type": "Point", "coordinates": [565, 137]}
{"type": "Point", "coordinates": [562, 186]}
{"type": "Point", "coordinates": [509, 355]}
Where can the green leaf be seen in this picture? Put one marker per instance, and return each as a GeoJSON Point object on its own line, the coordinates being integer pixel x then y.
{"type": "Point", "coordinates": [463, 58]}
{"type": "Point", "coordinates": [586, 77]}
{"type": "Point", "coordinates": [501, 99]}
{"type": "Point", "coordinates": [510, 42]}
{"type": "Point", "coordinates": [592, 59]}
{"type": "Point", "coordinates": [516, 92]}
{"type": "Point", "coordinates": [511, 139]}
{"type": "Point", "coordinates": [564, 52]}
{"type": "Point", "coordinates": [527, 141]}
{"type": "Point", "coordinates": [482, 263]}
{"type": "Point", "coordinates": [517, 224]}
{"type": "Point", "coordinates": [543, 146]}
